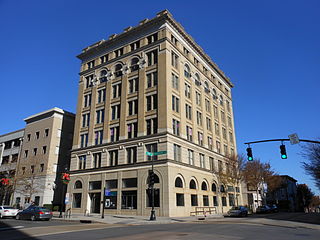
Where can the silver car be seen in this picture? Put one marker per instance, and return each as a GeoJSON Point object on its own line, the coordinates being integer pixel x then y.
{"type": "Point", "coordinates": [7, 211]}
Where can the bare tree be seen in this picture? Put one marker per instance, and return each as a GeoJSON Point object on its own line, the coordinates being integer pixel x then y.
{"type": "Point", "coordinates": [311, 152]}
{"type": "Point", "coordinates": [305, 196]}
{"type": "Point", "coordinates": [28, 186]}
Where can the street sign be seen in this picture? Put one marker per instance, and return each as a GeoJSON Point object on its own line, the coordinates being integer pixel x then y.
{"type": "Point", "coordinates": [156, 153]}
{"type": "Point", "coordinates": [67, 199]}
{"type": "Point", "coordinates": [106, 192]}
{"type": "Point", "coordinates": [294, 139]}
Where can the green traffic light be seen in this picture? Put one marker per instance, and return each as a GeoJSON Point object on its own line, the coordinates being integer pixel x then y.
{"type": "Point", "coordinates": [284, 156]}
{"type": "Point", "coordinates": [250, 158]}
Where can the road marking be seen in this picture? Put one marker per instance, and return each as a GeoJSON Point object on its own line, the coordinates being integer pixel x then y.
{"type": "Point", "coordinates": [11, 228]}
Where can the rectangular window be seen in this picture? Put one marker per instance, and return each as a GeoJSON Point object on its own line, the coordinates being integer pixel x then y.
{"type": "Point", "coordinates": [174, 60]}
{"type": "Point", "coordinates": [194, 200]}
{"type": "Point", "coordinates": [112, 184]}
{"type": "Point", "coordinates": [195, 61]}
{"type": "Point", "coordinates": [199, 118]}
{"type": "Point", "coordinates": [223, 117]}
{"type": "Point", "coordinates": [95, 185]}
{"type": "Point", "coordinates": [175, 81]}
{"type": "Point", "coordinates": [85, 119]}
{"type": "Point", "coordinates": [46, 132]}
{"type": "Point", "coordinates": [228, 105]}
{"type": "Point", "coordinates": [116, 90]}
{"type": "Point", "coordinates": [225, 150]}
{"type": "Point", "coordinates": [207, 105]}
{"type": "Point", "coordinates": [115, 112]}
{"type": "Point", "coordinates": [118, 52]}
{"type": "Point", "coordinates": [185, 51]}
{"type": "Point", "coordinates": [224, 201]}
{"type": "Point", "coordinates": [100, 116]}
{"type": "Point", "coordinates": [152, 102]}
{"type": "Point", "coordinates": [177, 152]}
{"type": "Point", "coordinates": [152, 79]}
{"type": "Point", "coordinates": [133, 85]}
{"type": "Point", "coordinates": [188, 112]}
{"type": "Point", "coordinates": [87, 100]}
{"type": "Point", "coordinates": [44, 149]}
{"type": "Point", "coordinates": [180, 199]}
{"type": "Point", "coordinates": [37, 135]}
{"type": "Point", "coordinates": [113, 157]}
{"type": "Point", "coordinates": [89, 81]}
{"type": "Point", "coordinates": [216, 128]}
{"type": "Point", "coordinates": [202, 160]}
{"type": "Point", "coordinates": [101, 95]}
{"type": "Point", "coordinates": [152, 126]}
{"type": "Point", "coordinates": [35, 150]}
{"type": "Point", "coordinates": [231, 137]}
{"type": "Point", "coordinates": [104, 58]}
{"type": "Point", "coordinates": [135, 45]}
{"type": "Point", "coordinates": [152, 148]}
{"type": "Point", "coordinates": [133, 107]}
{"type": "Point", "coordinates": [97, 160]}
{"type": "Point", "coordinates": [187, 90]}
{"type": "Point", "coordinates": [210, 143]}
{"type": "Point", "coordinates": [224, 133]}
{"type": "Point", "coordinates": [215, 201]}
{"type": "Point", "coordinates": [132, 130]}
{"type": "Point", "coordinates": [176, 127]}
{"type": "Point", "coordinates": [98, 137]}
{"type": "Point", "coordinates": [32, 168]}
{"type": "Point", "coordinates": [200, 138]}
{"type": "Point", "coordinates": [218, 146]}
{"type": "Point", "coordinates": [189, 133]}
{"type": "Point", "coordinates": [84, 140]}
{"type": "Point", "coordinates": [129, 182]}
{"type": "Point", "coordinates": [132, 155]}
{"type": "Point", "coordinates": [129, 200]}
{"type": "Point", "coordinates": [211, 162]}
{"type": "Point", "coordinates": [82, 162]}
{"type": "Point", "coordinates": [152, 38]}
{"type": "Point", "coordinates": [215, 112]}
{"type": "Point", "coordinates": [152, 57]}
{"type": "Point", "coordinates": [114, 134]}
{"type": "Point", "coordinates": [26, 153]}
{"type": "Point", "coordinates": [90, 64]}
{"type": "Point", "coordinates": [231, 200]}
{"type": "Point", "coordinates": [174, 40]}
{"type": "Point", "coordinates": [191, 157]}
{"type": "Point", "coordinates": [205, 200]}
{"type": "Point", "coordinates": [175, 104]}
{"type": "Point", "coordinates": [198, 98]}
{"type": "Point", "coordinates": [41, 167]}
{"type": "Point", "coordinates": [208, 121]}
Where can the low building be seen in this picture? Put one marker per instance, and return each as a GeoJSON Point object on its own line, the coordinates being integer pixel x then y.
{"type": "Point", "coordinates": [45, 154]}
{"type": "Point", "coordinates": [10, 144]}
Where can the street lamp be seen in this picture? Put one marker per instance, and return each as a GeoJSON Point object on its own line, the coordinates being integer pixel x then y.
{"type": "Point", "coordinates": [65, 178]}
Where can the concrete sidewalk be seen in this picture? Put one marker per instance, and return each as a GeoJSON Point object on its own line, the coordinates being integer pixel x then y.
{"type": "Point", "coordinates": [214, 219]}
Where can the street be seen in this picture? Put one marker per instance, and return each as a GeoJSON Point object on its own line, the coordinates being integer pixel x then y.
{"type": "Point", "coordinates": [11, 229]}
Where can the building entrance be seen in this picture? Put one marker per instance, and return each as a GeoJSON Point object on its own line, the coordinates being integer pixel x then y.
{"type": "Point", "coordinates": [95, 199]}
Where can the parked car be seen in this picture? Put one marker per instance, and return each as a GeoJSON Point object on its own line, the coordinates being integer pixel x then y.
{"type": "Point", "coordinates": [263, 209]}
{"type": "Point", "coordinates": [239, 211]}
{"type": "Point", "coordinates": [273, 208]}
{"type": "Point", "coordinates": [7, 211]}
{"type": "Point", "coordinates": [35, 213]}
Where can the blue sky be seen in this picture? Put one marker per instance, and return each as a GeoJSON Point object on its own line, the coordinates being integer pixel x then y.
{"type": "Point", "coordinates": [269, 49]}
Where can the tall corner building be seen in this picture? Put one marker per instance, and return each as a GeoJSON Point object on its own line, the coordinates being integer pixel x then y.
{"type": "Point", "coordinates": [151, 89]}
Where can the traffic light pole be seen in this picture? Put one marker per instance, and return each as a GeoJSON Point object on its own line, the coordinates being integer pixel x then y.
{"type": "Point", "coordinates": [153, 213]}
{"type": "Point", "coordinates": [282, 140]}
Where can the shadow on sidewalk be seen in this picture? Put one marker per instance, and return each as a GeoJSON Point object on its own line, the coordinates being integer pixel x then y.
{"type": "Point", "coordinates": [313, 218]}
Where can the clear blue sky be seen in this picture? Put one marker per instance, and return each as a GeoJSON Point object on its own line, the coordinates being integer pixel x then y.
{"type": "Point", "coordinates": [269, 49]}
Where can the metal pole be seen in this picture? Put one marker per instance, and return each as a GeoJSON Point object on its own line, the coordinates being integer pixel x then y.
{"type": "Point", "coordinates": [103, 202]}
{"type": "Point", "coordinates": [64, 187]}
{"type": "Point", "coordinates": [153, 214]}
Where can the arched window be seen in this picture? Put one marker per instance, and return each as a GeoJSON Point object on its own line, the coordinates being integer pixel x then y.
{"type": "Point", "coordinates": [192, 184]}
{"type": "Point", "coordinates": [118, 70]}
{"type": "Point", "coordinates": [103, 76]}
{"type": "Point", "coordinates": [206, 87]}
{"type": "Point", "coordinates": [187, 72]}
{"type": "Point", "coordinates": [204, 186]}
{"type": "Point", "coordinates": [214, 94]}
{"type": "Point", "coordinates": [222, 188]}
{"type": "Point", "coordinates": [197, 79]}
{"type": "Point", "coordinates": [214, 187]}
{"type": "Point", "coordinates": [77, 185]}
{"type": "Point", "coordinates": [134, 64]}
{"type": "Point", "coordinates": [178, 183]}
{"type": "Point", "coordinates": [156, 179]}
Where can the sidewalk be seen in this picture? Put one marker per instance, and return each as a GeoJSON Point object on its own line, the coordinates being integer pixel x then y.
{"type": "Point", "coordinates": [141, 220]}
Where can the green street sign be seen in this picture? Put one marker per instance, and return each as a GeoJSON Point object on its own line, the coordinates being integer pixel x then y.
{"type": "Point", "coordinates": [156, 153]}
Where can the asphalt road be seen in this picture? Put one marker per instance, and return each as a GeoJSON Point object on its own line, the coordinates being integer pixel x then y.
{"type": "Point", "coordinates": [195, 231]}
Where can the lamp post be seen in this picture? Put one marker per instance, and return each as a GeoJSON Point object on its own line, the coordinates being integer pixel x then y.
{"type": "Point", "coordinates": [65, 178]}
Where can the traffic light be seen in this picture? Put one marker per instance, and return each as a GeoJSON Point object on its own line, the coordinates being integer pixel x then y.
{"type": "Point", "coordinates": [249, 154]}
{"type": "Point", "coordinates": [283, 151]}
{"type": "Point", "coordinates": [151, 178]}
